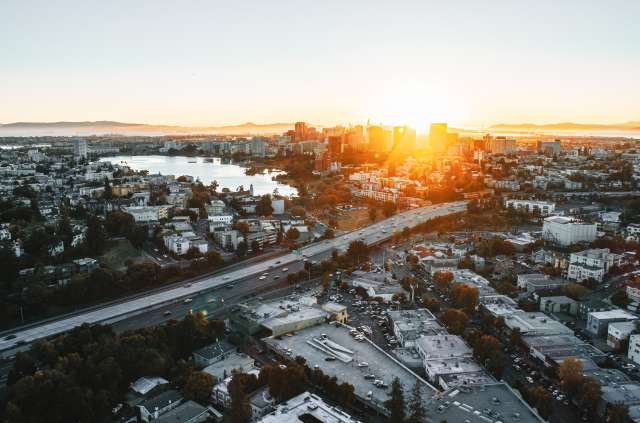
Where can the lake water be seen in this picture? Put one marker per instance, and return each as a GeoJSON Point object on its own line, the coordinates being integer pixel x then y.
{"type": "Point", "coordinates": [228, 175]}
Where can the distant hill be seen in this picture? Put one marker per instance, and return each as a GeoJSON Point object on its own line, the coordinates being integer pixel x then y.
{"type": "Point", "coordinates": [570, 126]}
{"type": "Point", "coordinates": [123, 128]}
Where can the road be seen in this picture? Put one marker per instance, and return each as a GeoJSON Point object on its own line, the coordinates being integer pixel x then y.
{"type": "Point", "coordinates": [149, 305]}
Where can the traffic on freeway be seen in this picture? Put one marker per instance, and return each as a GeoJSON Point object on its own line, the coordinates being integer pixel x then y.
{"type": "Point", "coordinates": [374, 233]}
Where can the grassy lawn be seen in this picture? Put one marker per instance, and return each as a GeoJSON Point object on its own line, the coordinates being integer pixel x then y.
{"type": "Point", "coordinates": [117, 252]}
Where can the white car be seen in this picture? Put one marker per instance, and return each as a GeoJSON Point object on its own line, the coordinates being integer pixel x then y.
{"type": "Point", "coordinates": [188, 300]}
{"type": "Point", "coordinates": [286, 269]}
{"type": "Point", "coordinates": [262, 278]}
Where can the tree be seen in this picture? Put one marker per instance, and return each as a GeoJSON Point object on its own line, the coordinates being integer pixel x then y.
{"type": "Point", "coordinates": [198, 387]}
{"type": "Point", "coordinates": [298, 212]}
{"type": "Point", "coordinates": [590, 393]}
{"type": "Point", "coordinates": [416, 408]}
{"type": "Point", "coordinates": [465, 297]}
{"type": "Point", "coordinates": [618, 413]}
{"type": "Point", "coordinates": [239, 410]}
{"type": "Point", "coordinates": [255, 246]}
{"type": "Point", "coordinates": [373, 212]}
{"type": "Point", "coordinates": [241, 250]}
{"type": "Point", "coordinates": [515, 338]}
{"type": "Point", "coordinates": [263, 207]}
{"type": "Point", "coordinates": [570, 375]}
{"type": "Point", "coordinates": [357, 251]}
{"type": "Point", "coordinates": [388, 208]}
{"type": "Point", "coordinates": [443, 280]}
{"type": "Point", "coordinates": [108, 192]}
{"type": "Point", "coordinates": [96, 238]}
{"type": "Point", "coordinates": [542, 400]}
{"type": "Point", "coordinates": [395, 403]}
{"type": "Point", "coordinates": [293, 234]}
{"type": "Point", "coordinates": [455, 320]}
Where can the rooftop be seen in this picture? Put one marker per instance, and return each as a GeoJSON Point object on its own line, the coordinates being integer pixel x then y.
{"type": "Point", "coordinates": [144, 385]}
{"type": "Point", "coordinates": [612, 314]}
{"type": "Point", "coordinates": [352, 360]}
{"type": "Point", "coordinates": [535, 323]}
{"type": "Point", "coordinates": [490, 403]}
{"type": "Point", "coordinates": [306, 404]}
{"type": "Point", "coordinates": [443, 346]}
{"type": "Point", "coordinates": [234, 361]}
{"type": "Point", "coordinates": [182, 413]}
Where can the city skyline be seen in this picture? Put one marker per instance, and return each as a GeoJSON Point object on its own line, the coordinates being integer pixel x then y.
{"type": "Point", "coordinates": [417, 63]}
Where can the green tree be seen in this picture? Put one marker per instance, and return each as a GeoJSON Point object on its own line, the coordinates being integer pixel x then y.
{"type": "Point", "coordinates": [198, 387]}
{"type": "Point", "coordinates": [239, 410]}
{"type": "Point", "coordinates": [241, 251]}
{"type": "Point", "coordinates": [96, 237]}
{"type": "Point", "coordinates": [373, 212]}
{"type": "Point", "coordinates": [293, 234]}
{"type": "Point", "coordinates": [388, 208]}
{"type": "Point", "coordinates": [263, 207]}
{"type": "Point", "coordinates": [395, 404]}
{"type": "Point", "coordinates": [455, 320]}
{"type": "Point", "coordinates": [618, 413]}
{"type": "Point", "coordinates": [416, 408]}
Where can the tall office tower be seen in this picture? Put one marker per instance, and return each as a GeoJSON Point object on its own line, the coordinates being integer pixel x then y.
{"type": "Point", "coordinates": [300, 131]}
{"type": "Point", "coordinates": [404, 138]}
{"type": "Point", "coordinates": [438, 137]}
{"type": "Point", "coordinates": [376, 137]}
{"type": "Point", "coordinates": [549, 147]}
{"type": "Point", "coordinates": [501, 145]}
{"type": "Point", "coordinates": [80, 149]}
{"type": "Point", "coordinates": [336, 145]}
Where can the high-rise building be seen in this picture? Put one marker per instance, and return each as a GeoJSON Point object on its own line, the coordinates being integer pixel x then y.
{"type": "Point", "coordinates": [552, 147]}
{"type": "Point", "coordinates": [501, 145]}
{"type": "Point", "coordinates": [376, 137]}
{"type": "Point", "coordinates": [438, 137]}
{"type": "Point", "coordinates": [336, 145]}
{"type": "Point", "coordinates": [404, 138]}
{"type": "Point", "coordinates": [300, 131]}
{"type": "Point", "coordinates": [80, 149]}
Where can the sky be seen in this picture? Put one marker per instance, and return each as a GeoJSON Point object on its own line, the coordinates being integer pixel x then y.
{"type": "Point", "coordinates": [327, 62]}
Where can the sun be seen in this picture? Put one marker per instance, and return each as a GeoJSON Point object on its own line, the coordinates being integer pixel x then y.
{"type": "Point", "coordinates": [414, 105]}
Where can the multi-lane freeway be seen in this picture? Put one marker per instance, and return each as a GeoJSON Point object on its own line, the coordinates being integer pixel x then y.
{"type": "Point", "coordinates": [157, 305]}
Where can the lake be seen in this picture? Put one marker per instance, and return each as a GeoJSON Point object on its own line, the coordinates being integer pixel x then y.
{"type": "Point", "coordinates": [228, 175]}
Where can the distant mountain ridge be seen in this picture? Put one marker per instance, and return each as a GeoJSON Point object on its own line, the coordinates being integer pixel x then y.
{"type": "Point", "coordinates": [125, 128]}
{"type": "Point", "coordinates": [571, 126]}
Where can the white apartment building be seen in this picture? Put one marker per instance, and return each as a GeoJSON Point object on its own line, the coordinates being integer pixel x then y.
{"type": "Point", "coordinates": [80, 149]}
{"type": "Point", "coordinates": [618, 332]}
{"type": "Point", "coordinates": [633, 232]}
{"type": "Point", "coordinates": [565, 231]}
{"type": "Point", "coordinates": [143, 214]}
{"type": "Point", "coordinates": [633, 291]}
{"type": "Point", "coordinates": [177, 244]}
{"type": "Point", "coordinates": [387, 194]}
{"type": "Point", "coordinates": [509, 184]}
{"type": "Point", "coordinates": [216, 207]}
{"type": "Point", "coordinates": [219, 220]}
{"type": "Point", "coordinates": [594, 264]}
{"type": "Point", "coordinates": [634, 348]}
{"type": "Point", "coordinates": [545, 208]}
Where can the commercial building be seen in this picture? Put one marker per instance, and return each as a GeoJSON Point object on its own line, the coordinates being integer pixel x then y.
{"type": "Point", "coordinates": [307, 407]}
{"type": "Point", "coordinates": [559, 304]}
{"type": "Point", "coordinates": [565, 231]}
{"type": "Point", "coordinates": [277, 317]}
{"type": "Point", "coordinates": [634, 348]}
{"type": "Point", "coordinates": [543, 208]}
{"type": "Point", "coordinates": [80, 150]}
{"type": "Point", "coordinates": [360, 363]}
{"type": "Point", "coordinates": [501, 145]}
{"type": "Point", "coordinates": [550, 147]}
{"type": "Point", "coordinates": [619, 332]}
{"type": "Point", "coordinates": [409, 325]}
{"type": "Point", "coordinates": [591, 264]}
{"type": "Point", "coordinates": [490, 403]}
{"type": "Point", "coordinates": [551, 350]}
{"type": "Point", "coordinates": [598, 322]}
{"type": "Point", "coordinates": [535, 323]}
{"type": "Point", "coordinates": [438, 137]}
{"type": "Point", "coordinates": [532, 282]}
